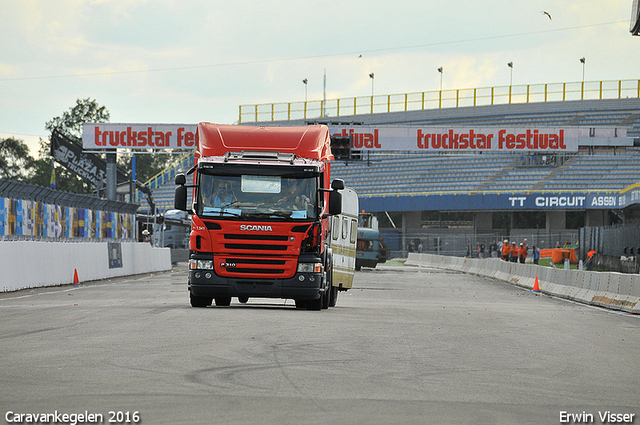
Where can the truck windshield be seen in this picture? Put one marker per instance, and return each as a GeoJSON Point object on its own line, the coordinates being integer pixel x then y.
{"type": "Point", "coordinates": [257, 196]}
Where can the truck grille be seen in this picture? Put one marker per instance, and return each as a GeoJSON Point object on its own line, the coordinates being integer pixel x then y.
{"type": "Point", "coordinates": [258, 254]}
{"type": "Point", "coordinates": [253, 266]}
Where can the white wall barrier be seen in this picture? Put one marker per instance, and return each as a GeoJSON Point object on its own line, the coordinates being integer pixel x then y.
{"type": "Point", "coordinates": [30, 264]}
{"type": "Point", "coordinates": [612, 290]}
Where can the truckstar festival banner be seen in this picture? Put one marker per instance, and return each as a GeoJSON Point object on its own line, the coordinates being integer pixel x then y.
{"type": "Point", "coordinates": [469, 139]}
{"type": "Point", "coordinates": [102, 136]}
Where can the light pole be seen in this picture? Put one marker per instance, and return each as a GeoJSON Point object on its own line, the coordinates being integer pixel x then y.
{"type": "Point", "coordinates": [371, 76]}
{"type": "Point", "coordinates": [305, 81]}
{"type": "Point", "coordinates": [440, 70]}
{"type": "Point", "coordinates": [583, 61]}
{"type": "Point", "coordinates": [510, 65]}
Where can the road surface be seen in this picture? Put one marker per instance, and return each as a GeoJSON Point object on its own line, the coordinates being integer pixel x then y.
{"type": "Point", "coordinates": [405, 346]}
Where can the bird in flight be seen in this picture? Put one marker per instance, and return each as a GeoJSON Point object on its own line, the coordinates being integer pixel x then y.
{"type": "Point", "coordinates": [547, 13]}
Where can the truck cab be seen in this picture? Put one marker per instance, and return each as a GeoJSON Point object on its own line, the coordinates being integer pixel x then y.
{"type": "Point", "coordinates": [260, 218]}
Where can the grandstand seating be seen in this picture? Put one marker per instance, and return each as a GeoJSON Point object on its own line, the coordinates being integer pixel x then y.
{"type": "Point", "coordinates": [379, 174]}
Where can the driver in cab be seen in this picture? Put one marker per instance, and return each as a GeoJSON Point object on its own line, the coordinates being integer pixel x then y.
{"type": "Point", "coordinates": [293, 195]}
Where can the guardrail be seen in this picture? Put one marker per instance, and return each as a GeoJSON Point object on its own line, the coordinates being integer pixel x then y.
{"type": "Point", "coordinates": [168, 174]}
{"type": "Point", "coordinates": [436, 99]}
{"type": "Point", "coordinates": [616, 291]}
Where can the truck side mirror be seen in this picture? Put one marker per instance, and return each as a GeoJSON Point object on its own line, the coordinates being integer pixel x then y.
{"type": "Point", "coordinates": [335, 202]}
{"type": "Point", "coordinates": [337, 184]}
{"type": "Point", "coordinates": [180, 200]}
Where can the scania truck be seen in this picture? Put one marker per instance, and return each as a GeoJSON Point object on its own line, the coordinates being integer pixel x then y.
{"type": "Point", "coordinates": [262, 201]}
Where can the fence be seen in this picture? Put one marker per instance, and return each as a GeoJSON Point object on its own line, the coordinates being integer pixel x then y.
{"type": "Point", "coordinates": [34, 212]}
{"type": "Point", "coordinates": [463, 243]}
{"type": "Point", "coordinates": [615, 241]}
{"type": "Point", "coordinates": [454, 98]}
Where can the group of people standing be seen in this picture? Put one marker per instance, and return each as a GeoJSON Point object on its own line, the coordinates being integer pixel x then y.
{"type": "Point", "coordinates": [518, 253]}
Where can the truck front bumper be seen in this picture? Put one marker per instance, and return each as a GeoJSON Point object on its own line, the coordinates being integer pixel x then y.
{"type": "Point", "coordinates": [302, 286]}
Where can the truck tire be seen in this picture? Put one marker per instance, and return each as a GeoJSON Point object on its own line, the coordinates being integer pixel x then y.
{"type": "Point", "coordinates": [315, 304]}
{"type": "Point", "coordinates": [333, 299]}
{"type": "Point", "coordinates": [200, 301]}
{"type": "Point", "coordinates": [223, 301]}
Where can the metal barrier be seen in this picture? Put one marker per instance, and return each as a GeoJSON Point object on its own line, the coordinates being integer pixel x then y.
{"type": "Point", "coordinates": [611, 290]}
{"type": "Point", "coordinates": [453, 98]}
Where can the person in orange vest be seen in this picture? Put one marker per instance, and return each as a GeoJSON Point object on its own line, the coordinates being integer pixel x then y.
{"type": "Point", "coordinates": [506, 250]}
{"type": "Point", "coordinates": [514, 252]}
{"type": "Point", "coordinates": [523, 253]}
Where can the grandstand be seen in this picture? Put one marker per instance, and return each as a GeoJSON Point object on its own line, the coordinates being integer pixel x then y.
{"type": "Point", "coordinates": [486, 183]}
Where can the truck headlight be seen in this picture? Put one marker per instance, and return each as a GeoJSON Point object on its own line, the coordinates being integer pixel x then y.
{"type": "Point", "coordinates": [309, 267]}
{"type": "Point", "coordinates": [201, 264]}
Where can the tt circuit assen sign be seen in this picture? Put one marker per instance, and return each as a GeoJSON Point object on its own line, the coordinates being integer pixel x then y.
{"type": "Point", "coordinates": [495, 201]}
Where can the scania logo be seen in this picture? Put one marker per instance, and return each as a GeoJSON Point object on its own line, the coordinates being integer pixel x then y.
{"type": "Point", "coordinates": [251, 228]}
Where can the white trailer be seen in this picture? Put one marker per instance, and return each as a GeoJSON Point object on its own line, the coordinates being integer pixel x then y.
{"type": "Point", "coordinates": [344, 235]}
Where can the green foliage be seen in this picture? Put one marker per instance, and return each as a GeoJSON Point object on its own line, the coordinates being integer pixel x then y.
{"type": "Point", "coordinates": [70, 122]}
{"type": "Point", "coordinates": [86, 110]}
{"type": "Point", "coordinates": [15, 161]}
{"type": "Point", "coordinates": [17, 164]}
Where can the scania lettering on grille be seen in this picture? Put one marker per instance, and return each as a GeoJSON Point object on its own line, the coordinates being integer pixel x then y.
{"type": "Point", "coordinates": [253, 228]}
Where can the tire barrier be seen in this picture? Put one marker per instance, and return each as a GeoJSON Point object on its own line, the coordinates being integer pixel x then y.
{"type": "Point", "coordinates": [616, 291]}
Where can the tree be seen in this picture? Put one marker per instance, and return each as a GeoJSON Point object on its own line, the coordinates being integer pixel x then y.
{"type": "Point", "coordinates": [86, 110]}
{"type": "Point", "coordinates": [70, 122]}
{"type": "Point", "coordinates": [15, 161]}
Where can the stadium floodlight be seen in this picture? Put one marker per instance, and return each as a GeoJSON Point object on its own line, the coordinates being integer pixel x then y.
{"type": "Point", "coordinates": [305, 81]}
{"type": "Point", "coordinates": [634, 27]}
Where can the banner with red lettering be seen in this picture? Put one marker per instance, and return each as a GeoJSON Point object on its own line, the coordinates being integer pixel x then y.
{"type": "Point", "coordinates": [138, 136]}
{"type": "Point", "coordinates": [469, 139]}
{"type": "Point", "coordinates": [98, 136]}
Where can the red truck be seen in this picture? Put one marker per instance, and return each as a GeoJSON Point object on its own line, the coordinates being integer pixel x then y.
{"type": "Point", "coordinates": [261, 205]}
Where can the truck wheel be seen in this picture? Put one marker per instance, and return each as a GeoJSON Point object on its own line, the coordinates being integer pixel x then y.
{"type": "Point", "coordinates": [301, 304]}
{"type": "Point", "coordinates": [200, 301]}
{"type": "Point", "coordinates": [223, 301]}
{"type": "Point", "coordinates": [243, 300]}
{"type": "Point", "coordinates": [333, 299]}
{"type": "Point", "coordinates": [326, 298]}
{"type": "Point", "coordinates": [329, 280]}
{"type": "Point", "coordinates": [315, 304]}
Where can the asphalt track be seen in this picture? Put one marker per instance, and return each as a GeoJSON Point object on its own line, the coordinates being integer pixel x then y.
{"type": "Point", "coordinates": [404, 346]}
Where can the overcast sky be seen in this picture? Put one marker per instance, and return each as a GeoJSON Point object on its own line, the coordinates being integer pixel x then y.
{"type": "Point", "coordinates": [170, 61]}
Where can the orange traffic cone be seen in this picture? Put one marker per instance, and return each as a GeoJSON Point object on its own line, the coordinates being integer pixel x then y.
{"type": "Point", "coordinates": [75, 277]}
{"type": "Point", "coordinates": [536, 288]}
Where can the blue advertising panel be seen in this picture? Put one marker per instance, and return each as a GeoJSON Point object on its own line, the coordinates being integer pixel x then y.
{"type": "Point", "coordinates": [495, 202]}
